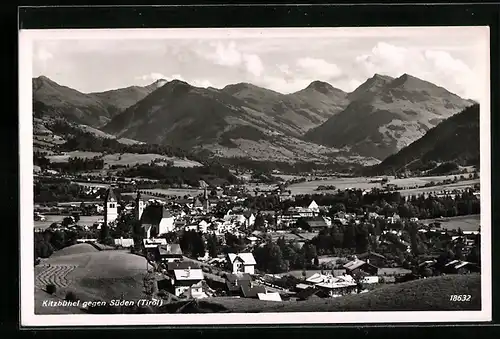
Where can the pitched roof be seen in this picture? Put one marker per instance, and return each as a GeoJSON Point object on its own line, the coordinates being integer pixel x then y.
{"type": "Point", "coordinates": [170, 249]}
{"type": "Point", "coordinates": [246, 258]}
{"type": "Point", "coordinates": [171, 266]}
{"type": "Point", "coordinates": [316, 222]}
{"type": "Point", "coordinates": [352, 265]}
{"type": "Point", "coordinates": [367, 254]}
{"type": "Point", "coordinates": [252, 292]}
{"type": "Point", "coordinates": [188, 274]}
{"type": "Point", "coordinates": [272, 296]}
{"type": "Point", "coordinates": [110, 195]}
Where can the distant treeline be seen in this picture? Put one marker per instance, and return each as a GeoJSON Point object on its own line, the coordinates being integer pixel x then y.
{"type": "Point", "coordinates": [213, 174]}
{"type": "Point", "coordinates": [285, 167]}
{"type": "Point", "coordinates": [381, 202]}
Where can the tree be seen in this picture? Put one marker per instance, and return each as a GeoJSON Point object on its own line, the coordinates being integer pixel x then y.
{"type": "Point", "coordinates": [105, 236]}
{"type": "Point", "coordinates": [259, 222]}
{"type": "Point", "coordinates": [309, 252]}
{"type": "Point", "coordinates": [138, 234]}
{"type": "Point", "coordinates": [316, 261]}
{"type": "Point", "coordinates": [212, 246]}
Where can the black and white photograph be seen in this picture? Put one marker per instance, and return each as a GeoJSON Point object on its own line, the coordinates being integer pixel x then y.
{"type": "Point", "coordinates": [255, 175]}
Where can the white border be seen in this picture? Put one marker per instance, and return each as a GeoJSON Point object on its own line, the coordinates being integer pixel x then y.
{"type": "Point", "coordinates": [28, 318]}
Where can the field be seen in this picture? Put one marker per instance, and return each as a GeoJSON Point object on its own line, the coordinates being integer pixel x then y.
{"type": "Point", "coordinates": [124, 159]}
{"type": "Point", "coordinates": [466, 222]}
{"type": "Point", "coordinates": [438, 189]}
{"type": "Point", "coordinates": [84, 220]}
{"type": "Point", "coordinates": [309, 187]}
{"type": "Point", "coordinates": [431, 294]}
{"type": "Point", "coordinates": [91, 274]}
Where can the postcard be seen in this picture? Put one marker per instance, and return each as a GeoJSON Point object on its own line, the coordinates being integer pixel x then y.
{"type": "Point", "coordinates": [255, 176]}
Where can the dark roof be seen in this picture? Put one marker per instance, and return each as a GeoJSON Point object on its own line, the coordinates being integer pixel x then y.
{"type": "Point", "coordinates": [367, 254]}
{"type": "Point", "coordinates": [110, 194]}
{"type": "Point", "coordinates": [154, 213]}
{"type": "Point", "coordinates": [316, 222]}
{"type": "Point", "coordinates": [251, 292]}
{"type": "Point", "coordinates": [240, 277]}
{"type": "Point", "coordinates": [307, 293]}
{"type": "Point", "coordinates": [181, 265]}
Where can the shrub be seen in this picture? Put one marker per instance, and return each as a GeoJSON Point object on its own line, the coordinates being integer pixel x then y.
{"type": "Point", "coordinates": [51, 288]}
{"type": "Point", "coordinates": [71, 296]}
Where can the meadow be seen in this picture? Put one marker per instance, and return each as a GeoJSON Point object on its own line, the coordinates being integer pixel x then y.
{"type": "Point", "coordinates": [124, 159]}
{"type": "Point", "coordinates": [91, 274]}
{"type": "Point", "coordinates": [431, 294]}
{"type": "Point", "coordinates": [465, 223]}
{"type": "Point", "coordinates": [309, 187]}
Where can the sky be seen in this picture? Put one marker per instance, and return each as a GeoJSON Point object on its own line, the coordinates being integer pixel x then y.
{"type": "Point", "coordinates": [284, 60]}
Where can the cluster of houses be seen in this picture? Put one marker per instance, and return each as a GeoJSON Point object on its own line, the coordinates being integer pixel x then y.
{"type": "Point", "coordinates": [186, 278]}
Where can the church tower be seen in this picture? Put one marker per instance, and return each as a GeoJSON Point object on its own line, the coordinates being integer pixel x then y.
{"type": "Point", "coordinates": [205, 196]}
{"type": "Point", "coordinates": [139, 206]}
{"type": "Point", "coordinates": [110, 206]}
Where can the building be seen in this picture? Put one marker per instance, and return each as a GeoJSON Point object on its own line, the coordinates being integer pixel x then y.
{"type": "Point", "coordinates": [360, 267]}
{"type": "Point", "coordinates": [373, 258]}
{"type": "Point", "coordinates": [241, 263]}
{"type": "Point", "coordinates": [461, 267]}
{"type": "Point", "coordinates": [110, 206]}
{"type": "Point", "coordinates": [139, 206]}
{"type": "Point", "coordinates": [169, 253]}
{"type": "Point", "coordinates": [186, 280]}
{"type": "Point", "coordinates": [157, 220]}
{"type": "Point", "coordinates": [314, 224]}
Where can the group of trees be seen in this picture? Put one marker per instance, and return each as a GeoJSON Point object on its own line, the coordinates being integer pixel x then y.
{"type": "Point", "coordinates": [52, 240]}
{"type": "Point", "coordinates": [76, 164]}
{"type": "Point", "coordinates": [299, 167]}
{"type": "Point", "coordinates": [58, 191]}
{"type": "Point", "coordinates": [389, 203]}
{"type": "Point", "coordinates": [168, 175]}
{"type": "Point", "coordinates": [192, 244]}
{"type": "Point", "coordinates": [282, 256]}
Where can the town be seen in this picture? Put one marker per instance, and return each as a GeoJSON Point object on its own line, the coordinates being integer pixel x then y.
{"type": "Point", "coordinates": [268, 244]}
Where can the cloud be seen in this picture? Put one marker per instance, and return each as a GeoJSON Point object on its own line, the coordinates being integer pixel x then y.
{"type": "Point", "coordinates": [230, 56]}
{"type": "Point", "coordinates": [253, 64]}
{"type": "Point", "coordinates": [151, 77]}
{"type": "Point", "coordinates": [43, 55]}
{"type": "Point", "coordinates": [436, 66]}
{"type": "Point", "coordinates": [319, 68]}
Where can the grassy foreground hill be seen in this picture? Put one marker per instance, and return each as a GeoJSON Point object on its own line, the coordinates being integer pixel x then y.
{"type": "Point", "coordinates": [431, 294]}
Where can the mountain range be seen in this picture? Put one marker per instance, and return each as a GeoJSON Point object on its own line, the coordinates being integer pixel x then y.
{"type": "Point", "coordinates": [387, 114]}
{"type": "Point", "coordinates": [93, 109]}
{"type": "Point", "coordinates": [456, 139]}
{"type": "Point", "coordinates": [318, 123]}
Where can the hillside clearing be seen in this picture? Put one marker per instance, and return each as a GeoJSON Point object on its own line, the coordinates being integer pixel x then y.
{"type": "Point", "coordinates": [465, 223]}
{"type": "Point", "coordinates": [102, 275]}
{"type": "Point", "coordinates": [124, 159]}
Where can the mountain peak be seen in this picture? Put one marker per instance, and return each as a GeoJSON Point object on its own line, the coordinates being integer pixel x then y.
{"type": "Point", "coordinates": [320, 86]}
{"type": "Point", "coordinates": [158, 83]}
{"type": "Point", "coordinates": [43, 79]}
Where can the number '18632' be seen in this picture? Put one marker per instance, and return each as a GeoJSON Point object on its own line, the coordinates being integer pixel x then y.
{"type": "Point", "coordinates": [460, 297]}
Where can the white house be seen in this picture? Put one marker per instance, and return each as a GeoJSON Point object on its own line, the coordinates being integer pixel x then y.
{"type": "Point", "coordinates": [241, 263]}
{"type": "Point", "coordinates": [203, 226]}
{"type": "Point", "coordinates": [313, 206]}
{"type": "Point", "coordinates": [166, 222]}
{"type": "Point", "coordinates": [185, 279]}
